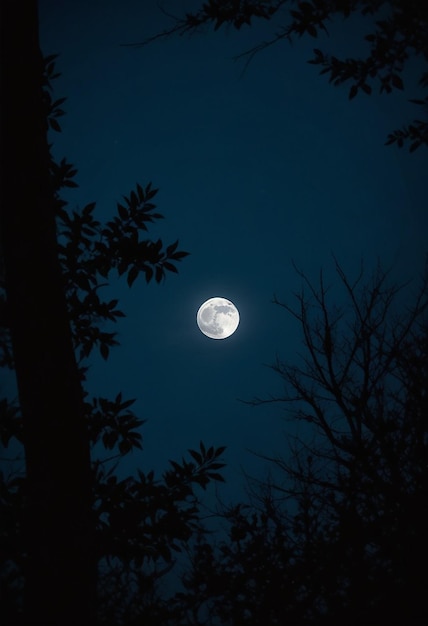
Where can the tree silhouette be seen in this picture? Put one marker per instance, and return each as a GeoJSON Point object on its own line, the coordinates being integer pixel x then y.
{"type": "Point", "coordinates": [56, 445]}
{"type": "Point", "coordinates": [398, 34]}
{"type": "Point", "coordinates": [69, 525]}
{"type": "Point", "coordinates": [338, 533]}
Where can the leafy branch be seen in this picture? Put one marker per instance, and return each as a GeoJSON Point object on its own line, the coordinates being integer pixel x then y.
{"type": "Point", "coordinates": [395, 39]}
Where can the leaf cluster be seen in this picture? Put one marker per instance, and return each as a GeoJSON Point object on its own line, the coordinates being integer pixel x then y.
{"type": "Point", "coordinates": [111, 423]}
{"type": "Point", "coordinates": [143, 519]}
{"type": "Point", "coordinates": [397, 36]}
{"type": "Point", "coordinates": [51, 107]}
{"type": "Point", "coordinates": [200, 473]}
{"type": "Point", "coordinates": [416, 133]}
{"type": "Point", "coordinates": [142, 523]}
{"type": "Point", "coordinates": [90, 251]}
{"type": "Point", "coordinates": [235, 12]}
{"type": "Point", "coordinates": [235, 582]}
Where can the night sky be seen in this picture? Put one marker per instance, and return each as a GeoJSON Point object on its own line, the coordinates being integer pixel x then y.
{"type": "Point", "coordinates": [256, 169]}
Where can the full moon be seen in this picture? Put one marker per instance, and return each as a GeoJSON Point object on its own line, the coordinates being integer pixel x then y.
{"type": "Point", "coordinates": [217, 318]}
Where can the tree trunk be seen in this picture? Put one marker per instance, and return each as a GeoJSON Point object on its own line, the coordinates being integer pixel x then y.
{"type": "Point", "coordinates": [61, 570]}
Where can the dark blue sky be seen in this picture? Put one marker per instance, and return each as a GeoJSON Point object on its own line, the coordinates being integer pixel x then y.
{"type": "Point", "coordinates": [255, 170]}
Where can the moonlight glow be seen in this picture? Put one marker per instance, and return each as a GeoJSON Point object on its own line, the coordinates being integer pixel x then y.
{"type": "Point", "coordinates": [218, 318]}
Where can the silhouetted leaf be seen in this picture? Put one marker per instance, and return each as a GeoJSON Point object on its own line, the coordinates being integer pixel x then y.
{"type": "Point", "coordinates": [134, 199]}
{"type": "Point", "coordinates": [180, 255]}
{"type": "Point", "coordinates": [69, 183]}
{"type": "Point", "coordinates": [124, 446]}
{"type": "Point", "coordinates": [171, 248]}
{"type": "Point", "coordinates": [58, 102]}
{"type": "Point", "coordinates": [54, 124]}
{"type": "Point", "coordinates": [353, 92]}
{"type": "Point", "coordinates": [123, 212]}
{"type": "Point", "coordinates": [176, 466]}
{"type": "Point", "coordinates": [140, 193]}
{"type": "Point", "coordinates": [170, 267]}
{"type": "Point", "coordinates": [196, 456]}
{"type": "Point", "coordinates": [159, 274]}
{"type": "Point", "coordinates": [109, 439]}
{"type": "Point", "coordinates": [132, 275]}
{"type": "Point", "coordinates": [150, 193]}
{"type": "Point", "coordinates": [414, 145]}
{"type": "Point", "coordinates": [149, 273]}
{"type": "Point", "coordinates": [126, 404]}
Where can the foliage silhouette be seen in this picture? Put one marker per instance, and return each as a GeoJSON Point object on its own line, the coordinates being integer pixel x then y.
{"type": "Point", "coordinates": [398, 34]}
{"type": "Point", "coordinates": [338, 532]}
{"type": "Point", "coordinates": [137, 523]}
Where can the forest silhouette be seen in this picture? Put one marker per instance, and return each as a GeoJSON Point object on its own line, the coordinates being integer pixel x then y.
{"type": "Point", "coordinates": [339, 532]}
